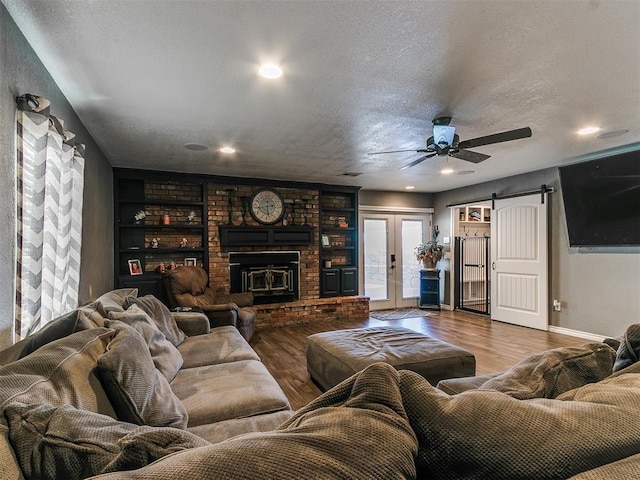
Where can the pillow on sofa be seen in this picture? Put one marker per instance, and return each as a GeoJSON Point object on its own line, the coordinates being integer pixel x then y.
{"type": "Point", "coordinates": [629, 350]}
{"type": "Point", "coordinates": [113, 300]}
{"type": "Point", "coordinates": [63, 442]}
{"type": "Point", "coordinates": [60, 327]}
{"type": "Point", "coordinates": [61, 372]}
{"type": "Point", "coordinates": [550, 373]}
{"type": "Point", "coordinates": [166, 357]}
{"type": "Point", "coordinates": [160, 314]}
{"type": "Point", "coordinates": [139, 393]}
{"type": "Point", "coordinates": [357, 430]}
{"type": "Point", "coordinates": [487, 434]}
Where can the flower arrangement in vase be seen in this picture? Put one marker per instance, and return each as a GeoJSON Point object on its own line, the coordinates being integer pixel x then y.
{"type": "Point", "coordinates": [139, 217]}
{"type": "Point", "coordinates": [429, 253]}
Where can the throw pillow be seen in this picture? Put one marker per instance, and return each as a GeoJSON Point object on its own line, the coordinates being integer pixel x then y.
{"type": "Point", "coordinates": [357, 430]}
{"type": "Point", "coordinates": [61, 372]}
{"type": "Point", "coordinates": [113, 300]}
{"type": "Point", "coordinates": [160, 314]}
{"type": "Point", "coordinates": [63, 442]}
{"type": "Point", "coordinates": [166, 357]}
{"type": "Point", "coordinates": [481, 434]}
{"type": "Point", "coordinates": [139, 393]}
{"type": "Point", "coordinates": [553, 372]}
{"type": "Point", "coordinates": [60, 327]}
{"type": "Point", "coordinates": [629, 350]}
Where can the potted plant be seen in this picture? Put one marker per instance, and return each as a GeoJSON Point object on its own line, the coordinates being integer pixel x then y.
{"type": "Point", "coordinates": [429, 253]}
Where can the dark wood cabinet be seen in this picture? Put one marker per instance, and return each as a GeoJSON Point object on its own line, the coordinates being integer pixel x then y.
{"type": "Point", "coordinates": [173, 231]}
{"type": "Point", "coordinates": [339, 240]}
{"type": "Point", "coordinates": [430, 289]}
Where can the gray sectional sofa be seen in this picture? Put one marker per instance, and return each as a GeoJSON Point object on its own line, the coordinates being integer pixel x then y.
{"type": "Point", "coordinates": [129, 359]}
{"type": "Point", "coordinates": [120, 389]}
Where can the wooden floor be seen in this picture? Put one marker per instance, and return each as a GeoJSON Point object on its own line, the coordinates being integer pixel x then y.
{"type": "Point", "coordinates": [496, 345]}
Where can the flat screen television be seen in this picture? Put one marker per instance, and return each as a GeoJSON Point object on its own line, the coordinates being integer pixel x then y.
{"type": "Point", "coordinates": [602, 201]}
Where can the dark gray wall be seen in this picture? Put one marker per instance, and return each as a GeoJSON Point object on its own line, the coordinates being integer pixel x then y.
{"type": "Point", "coordinates": [22, 72]}
{"type": "Point", "coordinates": [599, 291]}
{"type": "Point", "coordinates": [380, 198]}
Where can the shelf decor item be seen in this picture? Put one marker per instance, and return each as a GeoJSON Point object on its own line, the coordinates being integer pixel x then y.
{"type": "Point", "coordinates": [135, 268]}
{"type": "Point", "coordinates": [190, 262]}
{"type": "Point", "coordinates": [166, 220]}
{"type": "Point", "coordinates": [138, 218]}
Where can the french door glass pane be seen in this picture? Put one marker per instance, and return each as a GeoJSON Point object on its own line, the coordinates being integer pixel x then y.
{"type": "Point", "coordinates": [411, 237]}
{"type": "Point", "coordinates": [375, 258]}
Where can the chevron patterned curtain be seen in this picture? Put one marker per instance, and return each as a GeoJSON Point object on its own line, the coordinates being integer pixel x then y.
{"type": "Point", "coordinates": [49, 187]}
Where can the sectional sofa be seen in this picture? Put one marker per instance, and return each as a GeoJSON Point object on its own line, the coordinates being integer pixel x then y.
{"type": "Point", "coordinates": [102, 393]}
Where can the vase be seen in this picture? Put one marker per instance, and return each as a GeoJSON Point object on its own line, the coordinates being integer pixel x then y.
{"type": "Point", "coordinates": [429, 264]}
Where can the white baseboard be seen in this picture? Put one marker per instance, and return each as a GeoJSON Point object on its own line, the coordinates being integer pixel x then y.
{"type": "Point", "coordinates": [576, 333]}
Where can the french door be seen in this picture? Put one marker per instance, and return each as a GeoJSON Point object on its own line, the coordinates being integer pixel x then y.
{"type": "Point", "coordinates": [391, 274]}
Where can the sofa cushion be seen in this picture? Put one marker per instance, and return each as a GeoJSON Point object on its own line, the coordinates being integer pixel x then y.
{"type": "Point", "coordinates": [358, 430]}
{"type": "Point", "coordinates": [550, 373]}
{"type": "Point", "coordinates": [139, 393]}
{"type": "Point", "coordinates": [229, 390]}
{"type": "Point", "coordinates": [60, 327]}
{"type": "Point", "coordinates": [63, 442]}
{"type": "Point", "coordinates": [222, 345]}
{"type": "Point", "coordinates": [166, 357]}
{"type": "Point", "coordinates": [487, 434]}
{"type": "Point", "coordinates": [160, 314]}
{"type": "Point", "coordinates": [629, 349]}
{"type": "Point", "coordinates": [61, 372]}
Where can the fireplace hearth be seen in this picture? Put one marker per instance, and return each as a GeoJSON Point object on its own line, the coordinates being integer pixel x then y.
{"type": "Point", "coordinates": [272, 276]}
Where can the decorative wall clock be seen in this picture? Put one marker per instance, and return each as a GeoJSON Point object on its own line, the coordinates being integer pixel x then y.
{"type": "Point", "coordinates": [266, 206]}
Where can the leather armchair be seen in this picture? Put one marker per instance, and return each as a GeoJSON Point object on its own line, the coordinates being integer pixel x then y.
{"type": "Point", "coordinates": [188, 287]}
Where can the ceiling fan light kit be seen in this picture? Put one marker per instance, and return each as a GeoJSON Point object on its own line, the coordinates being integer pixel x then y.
{"type": "Point", "coordinates": [445, 142]}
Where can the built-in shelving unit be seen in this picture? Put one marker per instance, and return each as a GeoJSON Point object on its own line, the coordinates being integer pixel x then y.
{"type": "Point", "coordinates": [173, 232]}
{"type": "Point", "coordinates": [338, 242]}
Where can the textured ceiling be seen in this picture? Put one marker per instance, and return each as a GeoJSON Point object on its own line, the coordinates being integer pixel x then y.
{"type": "Point", "coordinates": [148, 77]}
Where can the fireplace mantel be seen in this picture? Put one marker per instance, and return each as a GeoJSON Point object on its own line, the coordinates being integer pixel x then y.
{"type": "Point", "coordinates": [249, 235]}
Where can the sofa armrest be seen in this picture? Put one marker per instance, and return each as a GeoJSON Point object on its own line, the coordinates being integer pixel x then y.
{"type": "Point", "coordinates": [192, 323]}
{"type": "Point", "coordinates": [453, 386]}
{"type": "Point", "coordinates": [221, 314]}
{"type": "Point", "coordinates": [240, 299]}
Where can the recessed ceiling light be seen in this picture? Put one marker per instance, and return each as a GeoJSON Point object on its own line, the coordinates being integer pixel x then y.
{"type": "Point", "coordinates": [196, 147]}
{"type": "Point", "coordinates": [270, 70]}
{"type": "Point", "coordinates": [612, 134]}
{"type": "Point", "coordinates": [447, 171]}
{"type": "Point", "coordinates": [466, 172]}
{"type": "Point", "coordinates": [227, 150]}
{"type": "Point", "coordinates": [410, 187]}
{"type": "Point", "coordinates": [588, 130]}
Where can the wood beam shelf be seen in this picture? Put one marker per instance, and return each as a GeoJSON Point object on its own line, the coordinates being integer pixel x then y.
{"type": "Point", "coordinates": [248, 235]}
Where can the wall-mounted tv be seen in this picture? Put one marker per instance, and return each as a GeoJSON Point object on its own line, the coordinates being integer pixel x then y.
{"type": "Point", "coordinates": [602, 201]}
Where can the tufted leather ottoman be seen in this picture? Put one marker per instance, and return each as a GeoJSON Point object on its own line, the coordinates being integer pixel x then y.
{"type": "Point", "coordinates": [334, 356]}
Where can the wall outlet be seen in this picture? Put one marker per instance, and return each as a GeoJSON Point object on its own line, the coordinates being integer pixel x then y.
{"type": "Point", "coordinates": [557, 305]}
{"type": "Point", "coordinates": [446, 240]}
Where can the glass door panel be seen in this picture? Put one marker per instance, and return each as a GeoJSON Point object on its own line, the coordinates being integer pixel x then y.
{"type": "Point", "coordinates": [376, 253]}
{"type": "Point", "coordinates": [412, 233]}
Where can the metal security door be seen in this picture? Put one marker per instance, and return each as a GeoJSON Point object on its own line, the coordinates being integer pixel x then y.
{"type": "Point", "coordinates": [473, 274]}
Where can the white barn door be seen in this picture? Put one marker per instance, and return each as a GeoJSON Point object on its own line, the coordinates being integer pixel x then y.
{"type": "Point", "coordinates": [519, 269]}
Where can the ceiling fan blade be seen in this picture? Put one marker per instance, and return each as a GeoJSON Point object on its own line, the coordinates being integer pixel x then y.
{"type": "Point", "coordinates": [422, 150]}
{"type": "Point", "coordinates": [416, 162]}
{"type": "Point", "coordinates": [469, 156]}
{"type": "Point", "coordinates": [496, 138]}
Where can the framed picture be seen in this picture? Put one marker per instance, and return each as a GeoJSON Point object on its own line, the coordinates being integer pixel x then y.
{"type": "Point", "coordinates": [190, 262]}
{"type": "Point", "coordinates": [135, 268]}
{"type": "Point", "coordinates": [325, 240]}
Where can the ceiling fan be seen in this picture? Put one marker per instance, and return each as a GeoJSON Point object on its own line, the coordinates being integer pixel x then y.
{"type": "Point", "coordinates": [445, 142]}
